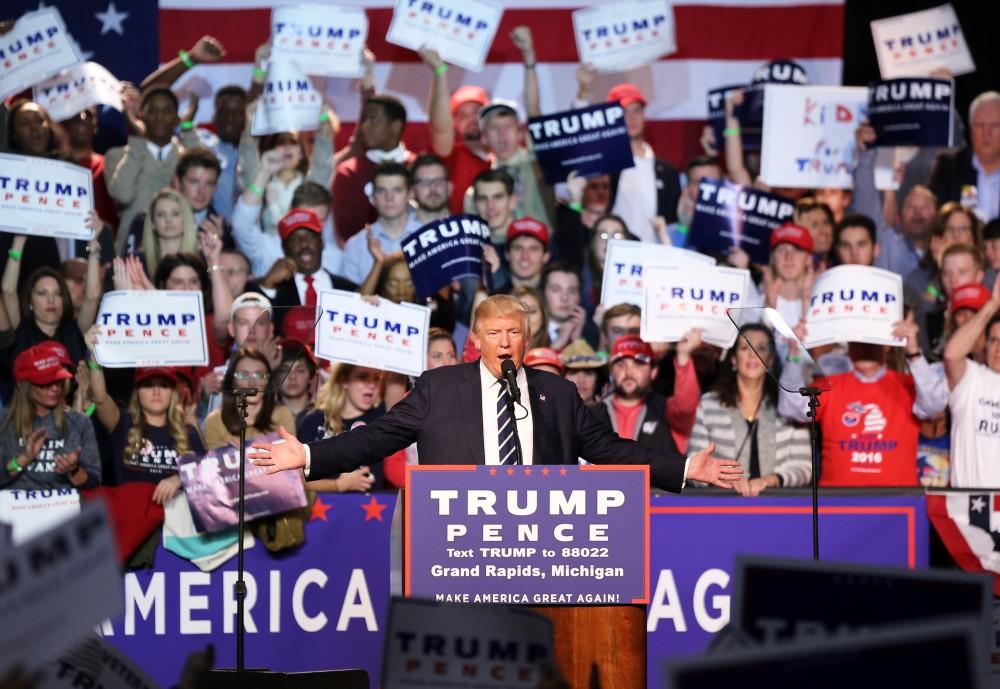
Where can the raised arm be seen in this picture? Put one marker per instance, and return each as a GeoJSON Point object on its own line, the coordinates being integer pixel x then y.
{"type": "Point", "coordinates": [964, 339]}
{"type": "Point", "coordinates": [439, 104]}
{"type": "Point", "coordinates": [521, 36]}
{"type": "Point", "coordinates": [735, 161]}
{"type": "Point", "coordinates": [11, 274]}
{"type": "Point", "coordinates": [107, 411]}
{"type": "Point", "coordinates": [206, 50]}
{"type": "Point", "coordinates": [92, 284]}
{"type": "Point", "coordinates": [222, 300]}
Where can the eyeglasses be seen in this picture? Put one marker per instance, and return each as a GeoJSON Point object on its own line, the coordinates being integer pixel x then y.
{"type": "Point", "coordinates": [244, 376]}
{"type": "Point", "coordinates": [611, 235]}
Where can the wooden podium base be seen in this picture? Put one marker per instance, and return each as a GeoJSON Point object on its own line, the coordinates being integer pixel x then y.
{"type": "Point", "coordinates": [612, 638]}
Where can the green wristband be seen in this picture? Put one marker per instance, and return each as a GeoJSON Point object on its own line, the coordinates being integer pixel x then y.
{"type": "Point", "coordinates": [259, 73]}
{"type": "Point", "coordinates": [14, 254]}
{"type": "Point", "coordinates": [255, 189]}
{"type": "Point", "coordinates": [325, 117]}
{"type": "Point", "coordinates": [185, 58]}
{"type": "Point", "coordinates": [91, 409]}
{"type": "Point", "coordinates": [681, 228]}
{"type": "Point", "coordinates": [577, 206]}
{"type": "Point", "coordinates": [441, 69]}
{"type": "Point", "coordinates": [731, 131]}
{"type": "Point", "coordinates": [93, 365]}
{"type": "Point", "coordinates": [13, 466]}
{"type": "Point", "coordinates": [187, 125]}
{"type": "Point", "coordinates": [933, 291]}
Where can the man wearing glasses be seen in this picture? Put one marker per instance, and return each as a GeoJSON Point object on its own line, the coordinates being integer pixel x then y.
{"type": "Point", "coordinates": [430, 188]}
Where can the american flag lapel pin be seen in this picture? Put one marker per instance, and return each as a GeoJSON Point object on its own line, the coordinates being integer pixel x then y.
{"type": "Point", "coordinates": [541, 397]}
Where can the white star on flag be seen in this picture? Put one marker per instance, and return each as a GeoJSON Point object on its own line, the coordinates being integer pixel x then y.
{"type": "Point", "coordinates": [978, 504]}
{"type": "Point", "coordinates": [111, 20]}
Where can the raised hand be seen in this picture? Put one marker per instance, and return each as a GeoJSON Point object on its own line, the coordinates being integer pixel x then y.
{"type": "Point", "coordinates": [908, 331]}
{"type": "Point", "coordinates": [521, 38]}
{"type": "Point", "coordinates": [716, 472]}
{"type": "Point", "coordinates": [207, 49]}
{"type": "Point", "coordinates": [68, 462]}
{"type": "Point", "coordinates": [374, 245]}
{"type": "Point", "coordinates": [430, 57]}
{"type": "Point", "coordinates": [211, 246]}
{"type": "Point", "coordinates": [283, 456]}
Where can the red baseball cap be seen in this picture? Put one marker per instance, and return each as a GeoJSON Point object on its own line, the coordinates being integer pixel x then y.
{"type": "Point", "coordinates": [972, 296]}
{"type": "Point", "coordinates": [299, 218]}
{"type": "Point", "coordinates": [529, 227]}
{"type": "Point", "coordinates": [468, 94]}
{"type": "Point", "coordinates": [796, 235]}
{"type": "Point", "coordinates": [626, 94]}
{"type": "Point", "coordinates": [544, 356]}
{"type": "Point", "coordinates": [169, 374]}
{"type": "Point", "coordinates": [632, 346]}
{"type": "Point", "coordinates": [42, 364]}
{"type": "Point", "coordinates": [299, 324]}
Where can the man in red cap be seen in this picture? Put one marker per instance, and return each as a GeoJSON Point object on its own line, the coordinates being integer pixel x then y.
{"type": "Point", "coordinates": [633, 410]}
{"type": "Point", "coordinates": [544, 359]}
{"type": "Point", "coordinates": [298, 278]}
{"type": "Point", "coordinates": [644, 196]}
{"type": "Point", "coordinates": [527, 252]}
{"type": "Point", "coordinates": [787, 286]}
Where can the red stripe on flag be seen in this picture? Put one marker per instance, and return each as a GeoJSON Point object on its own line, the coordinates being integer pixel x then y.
{"type": "Point", "coordinates": [703, 32]}
{"type": "Point", "coordinates": [954, 539]}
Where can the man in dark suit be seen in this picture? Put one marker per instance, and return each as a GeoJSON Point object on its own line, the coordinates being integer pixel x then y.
{"type": "Point", "coordinates": [977, 165]}
{"type": "Point", "coordinates": [298, 278]}
{"type": "Point", "coordinates": [457, 415]}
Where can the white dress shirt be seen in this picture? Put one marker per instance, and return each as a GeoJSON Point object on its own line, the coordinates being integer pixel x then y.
{"type": "Point", "coordinates": [635, 200]}
{"type": "Point", "coordinates": [988, 191]}
{"type": "Point", "coordinates": [490, 387]}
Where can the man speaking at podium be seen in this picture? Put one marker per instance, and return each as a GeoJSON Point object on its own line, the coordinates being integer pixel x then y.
{"type": "Point", "coordinates": [460, 415]}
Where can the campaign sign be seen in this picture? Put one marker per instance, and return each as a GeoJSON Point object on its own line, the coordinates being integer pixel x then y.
{"type": "Point", "coordinates": [531, 535]}
{"type": "Point", "coordinates": [445, 250]}
{"type": "Point", "coordinates": [151, 328]}
{"type": "Point", "coordinates": [589, 141]}
{"type": "Point", "coordinates": [32, 512]}
{"type": "Point", "coordinates": [390, 337]}
{"type": "Point", "coordinates": [211, 483]}
{"type": "Point", "coordinates": [461, 31]}
{"type": "Point", "coordinates": [321, 39]}
{"type": "Point", "coordinates": [476, 646]}
{"type": "Point", "coordinates": [916, 44]}
{"type": "Point", "coordinates": [93, 662]}
{"type": "Point", "coordinates": [56, 587]}
{"type": "Point", "coordinates": [289, 102]}
{"type": "Point", "coordinates": [808, 139]}
{"type": "Point", "coordinates": [319, 606]}
{"type": "Point", "coordinates": [626, 260]}
{"type": "Point", "coordinates": [624, 35]}
{"type": "Point", "coordinates": [854, 304]}
{"type": "Point", "coordinates": [717, 119]}
{"type": "Point", "coordinates": [676, 299]}
{"type": "Point", "coordinates": [78, 88]}
{"type": "Point", "coordinates": [728, 215]}
{"type": "Point", "coordinates": [694, 550]}
{"type": "Point", "coordinates": [37, 47]}
{"type": "Point", "coordinates": [750, 113]}
{"type": "Point", "coordinates": [44, 197]}
{"type": "Point", "coordinates": [911, 111]}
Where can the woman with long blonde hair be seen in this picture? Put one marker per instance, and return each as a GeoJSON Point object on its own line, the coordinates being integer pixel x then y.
{"type": "Point", "coordinates": [349, 398]}
{"type": "Point", "coordinates": [169, 228]}
{"type": "Point", "coordinates": [150, 435]}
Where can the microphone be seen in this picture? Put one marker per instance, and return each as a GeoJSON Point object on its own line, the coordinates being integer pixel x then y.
{"type": "Point", "coordinates": [510, 375]}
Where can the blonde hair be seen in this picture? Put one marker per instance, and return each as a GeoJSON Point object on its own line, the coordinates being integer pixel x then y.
{"type": "Point", "coordinates": [500, 306]}
{"type": "Point", "coordinates": [175, 426]}
{"type": "Point", "coordinates": [151, 241]}
{"type": "Point", "coordinates": [332, 397]}
{"type": "Point", "coordinates": [21, 413]}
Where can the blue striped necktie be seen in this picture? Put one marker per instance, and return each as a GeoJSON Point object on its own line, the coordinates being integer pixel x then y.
{"type": "Point", "coordinates": [505, 427]}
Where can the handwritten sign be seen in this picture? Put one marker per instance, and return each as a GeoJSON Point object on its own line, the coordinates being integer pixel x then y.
{"type": "Point", "coordinates": [151, 328]}
{"type": "Point", "coordinates": [916, 44]}
{"type": "Point", "coordinates": [808, 139]}
{"type": "Point", "coordinates": [78, 88]}
{"type": "Point", "coordinates": [912, 111]}
{"type": "Point", "coordinates": [321, 39]}
{"type": "Point", "coordinates": [854, 304]}
{"type": "Point", "coordinates": [619, 36]}
{"type": "Point", "coordinates": [676, 299]}
{"type": "Point", "coordinates": [391, 337]}
{"type": "Point", "coordinates": [625, 262]}
{"type": "Point", "coordinates": [588, 141]}
{"type": "Point", "coordinates": [289, 101]}
{"type": "Point", "coordinates": [461, 31]}
{"type": "Point", "coordinates": [37, 47]}
{"type": "Point", "coordinates": [44, 197]}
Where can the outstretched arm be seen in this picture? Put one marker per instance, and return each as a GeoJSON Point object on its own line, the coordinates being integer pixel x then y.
{"type": "Point", "coordinates": [964, 339]}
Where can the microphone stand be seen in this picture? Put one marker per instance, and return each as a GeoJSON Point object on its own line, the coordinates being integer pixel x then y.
{"type": "Point", "coordinates": [240, 588]}
{"type": "Point", "coordinates": [513, 420]}
{"type": "Point", "coordinates": [813, 394]}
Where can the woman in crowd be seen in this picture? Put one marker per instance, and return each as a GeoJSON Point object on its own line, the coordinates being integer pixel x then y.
{"type": "Point", "coordinates": [538, 322]}
{"type": "Point", "coordinates": [349, 398]}
{"type": "Point", "coordinates": [298, 378]}
{"type": "Point", "coordinates": [740, 416]}
{"type": "Point", "coordinates": [149, 436]}
{"type": "Point", "coordinates": [44, 443]}
{"type": "Point", "coordinates": [440, 349]}
{"type": "Point", "coordinates": [606, 228]}
{"type": "Point", "coordinates": [250, 369]}
{"type": "Point", "coordinates": [584, 369]}
{"type": "Point", "coordinates": [169, 228]}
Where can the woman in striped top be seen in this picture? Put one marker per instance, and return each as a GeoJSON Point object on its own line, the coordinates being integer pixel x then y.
{"type": "Point", "coordinates": [740, 416]}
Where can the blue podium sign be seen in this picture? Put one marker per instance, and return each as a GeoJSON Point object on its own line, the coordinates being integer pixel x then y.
{"type": "Point", "coordinates": [527, 535]}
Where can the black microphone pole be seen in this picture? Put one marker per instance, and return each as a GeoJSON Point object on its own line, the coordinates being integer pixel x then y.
{"type": "Point", "coordinates": [242, 394]}
{"type": "Point", "coordinates": [510, 378]}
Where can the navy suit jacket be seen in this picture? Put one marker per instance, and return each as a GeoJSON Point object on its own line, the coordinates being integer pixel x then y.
{"type": "Point", "coordinates": [443, 415]}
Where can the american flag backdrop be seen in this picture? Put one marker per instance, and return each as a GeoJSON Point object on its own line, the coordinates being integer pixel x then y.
{"type": "Point", "coordinates": [720, 42]}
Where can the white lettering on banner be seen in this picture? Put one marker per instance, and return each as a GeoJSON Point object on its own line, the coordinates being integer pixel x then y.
{"type": "Point", "coordinates": [448, 229]}
{"type": "Point", "coordinates": [912, 90]}
{"type": "Point", "coordinates": [571, 124]}
{"type": "Point", "coordinates": [744, 199]}
{"type": "Point", "coordinates": [479, 502]}
{"type": "Point", "coordinates": [666, 603]}
{"type": "Point", "coordinates": [781, 72]}
{"type": "Point", "coordinates": [202, 597]}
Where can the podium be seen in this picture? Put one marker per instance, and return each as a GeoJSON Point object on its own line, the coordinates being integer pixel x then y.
{"type": "Point", "coordinates": [570, 543]}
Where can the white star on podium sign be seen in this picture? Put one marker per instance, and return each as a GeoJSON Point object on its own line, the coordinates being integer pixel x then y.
{"type": "Point", "coordinates": [978, 503]}
{"type": "Point", "coordinates": [111, 20]}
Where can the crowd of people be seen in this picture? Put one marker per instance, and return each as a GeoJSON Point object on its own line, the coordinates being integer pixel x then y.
{"type": "Point", "coordinates": [262, 224]}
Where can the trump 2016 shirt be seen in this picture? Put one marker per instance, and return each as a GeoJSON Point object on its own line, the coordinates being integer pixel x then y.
{"type": "Point", "coordinates": [975, 428]}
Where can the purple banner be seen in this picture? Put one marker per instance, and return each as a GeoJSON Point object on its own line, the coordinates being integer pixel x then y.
{"type": "Point", "coordinates": [446, 250]}
{"type": "Point", "coordinates": [911, 111]}
{"type": "Point", "coordinates": [728, 215]}
{"type": "Point", "coordinates": [536, 535]}
{"type": "Point", "coordinates": [212, 483]}
{"type": "Point", "coordinates": [588, 141]}
{"type": "Point", "coordinates": [321, 606]}
{"type": "Point", "coordinates": [695, 541]}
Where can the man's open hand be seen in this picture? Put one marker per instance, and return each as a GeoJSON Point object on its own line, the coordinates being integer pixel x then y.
{"type": "Point", "coordinates": [280, 456]}
{"type": "Point", "coordinates": [717, 472]}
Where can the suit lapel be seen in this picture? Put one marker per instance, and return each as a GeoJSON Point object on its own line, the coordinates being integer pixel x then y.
{"type": "Point", "coordinates": [540, 453]}
{"type": "Point", "coordinates": [470, 399]}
